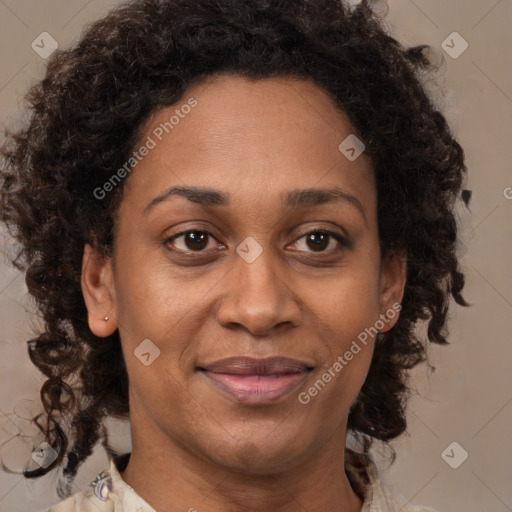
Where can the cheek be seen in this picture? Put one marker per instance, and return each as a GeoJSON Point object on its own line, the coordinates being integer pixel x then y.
{"type": "Point", "coordinates": [148, 302]}
{"type": "Point", "coordinates": [347, 348]}
{"type": "Point", "coordinates": [348, 303]}
{"type": "Point", "coordinates": [347, 312]}
{"type": "Point", "coordinates": [350, 339]}
{"type": "Point", "coordinates": [156, 322]}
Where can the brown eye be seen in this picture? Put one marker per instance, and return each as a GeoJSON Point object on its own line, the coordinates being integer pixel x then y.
{"type": "Point", "coordinates": [191, 240]}
{"type": "Point", "coordinates": [320, 241]}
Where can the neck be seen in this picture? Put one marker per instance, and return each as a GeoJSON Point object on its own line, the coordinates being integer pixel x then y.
{"type": "Point", "coordinates": [169, 477]}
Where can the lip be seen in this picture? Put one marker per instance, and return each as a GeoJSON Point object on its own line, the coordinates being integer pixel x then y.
{"type": "Point", "coordinates": [254, 380]}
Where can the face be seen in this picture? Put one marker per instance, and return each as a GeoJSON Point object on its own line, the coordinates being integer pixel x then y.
{"type": "Point", "coordinates": [253, 266]}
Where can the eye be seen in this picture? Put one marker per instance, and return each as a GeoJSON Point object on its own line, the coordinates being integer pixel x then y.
{"type": "Point", "coordinates": [192, 240]}
{"type": "Point", "coordinates": [320, 240]}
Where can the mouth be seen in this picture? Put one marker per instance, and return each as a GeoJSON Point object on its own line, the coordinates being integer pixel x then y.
{"type": "Point", "coordinates": [256, 381]}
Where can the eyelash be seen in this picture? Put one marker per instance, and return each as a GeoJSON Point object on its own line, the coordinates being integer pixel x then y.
{"type": "Point", "coordinates": [342, 241]}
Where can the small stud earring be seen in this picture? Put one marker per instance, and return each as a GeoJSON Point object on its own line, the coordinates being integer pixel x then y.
{"type": "Point", "coordinates": [106, 318]}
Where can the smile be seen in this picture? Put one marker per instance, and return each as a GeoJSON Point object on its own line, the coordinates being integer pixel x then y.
{"type": "Point", "coordinates": [256, 389]}
{"type": "Point", "coordinates": [256, 381]}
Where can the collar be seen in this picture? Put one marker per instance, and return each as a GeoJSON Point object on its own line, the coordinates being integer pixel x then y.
{"type": "Point", "coordinates": [109, 485]}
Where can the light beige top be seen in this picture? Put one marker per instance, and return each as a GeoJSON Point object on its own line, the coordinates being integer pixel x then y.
{"type": "Point", "coordinates": [109, 493]}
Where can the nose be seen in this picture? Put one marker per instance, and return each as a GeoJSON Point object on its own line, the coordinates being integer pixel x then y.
{"type": "Point", "coordinates": [257, 297]}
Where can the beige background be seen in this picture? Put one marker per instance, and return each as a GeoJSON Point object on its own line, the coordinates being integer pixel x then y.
{"type": "Point", "coordinates": [468, 399]}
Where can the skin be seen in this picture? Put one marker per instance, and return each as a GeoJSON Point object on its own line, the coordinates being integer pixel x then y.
{"type": "Point", "coordinates": [193, 446]}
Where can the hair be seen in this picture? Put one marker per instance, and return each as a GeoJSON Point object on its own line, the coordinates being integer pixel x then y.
{"type": "Point", "coordinates": [85, 118]}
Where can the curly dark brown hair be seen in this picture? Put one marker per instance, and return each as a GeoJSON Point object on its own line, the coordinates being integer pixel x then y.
{"type": "Point", "coordinates": [85, 116]}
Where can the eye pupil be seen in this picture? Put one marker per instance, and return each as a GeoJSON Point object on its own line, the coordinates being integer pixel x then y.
{"type": "Point", "coordinates": [197, 239]}
{"type": "Point", "coordinates": [320, 244]}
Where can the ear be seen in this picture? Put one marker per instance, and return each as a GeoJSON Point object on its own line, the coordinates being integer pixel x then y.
{"type": "Point", "coordinates": [97, 283]}
{"type": "Point", "coordinates": [393, 277]}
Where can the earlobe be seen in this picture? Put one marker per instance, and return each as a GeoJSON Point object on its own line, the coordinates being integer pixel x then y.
{"type": "Point", "coordinates": [98, 291]}
{"type": "Point", "coordinates": [392, 285]}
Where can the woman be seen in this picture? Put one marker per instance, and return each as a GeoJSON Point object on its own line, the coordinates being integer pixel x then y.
{"type": "Point", "coordinates": [232, 215]}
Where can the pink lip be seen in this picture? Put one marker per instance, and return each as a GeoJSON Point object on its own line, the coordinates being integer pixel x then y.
{"type": "Point", "coordinates": [256, 389]}
{"type": "Point", "coordinates": [256, 381]}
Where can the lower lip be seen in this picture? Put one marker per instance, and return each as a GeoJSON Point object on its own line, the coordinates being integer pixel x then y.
{"type": "Point", "coordinates": [256, 389]}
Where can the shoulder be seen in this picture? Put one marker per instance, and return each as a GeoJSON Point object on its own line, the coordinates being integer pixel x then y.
{"type": "Point", "coordinates": [387, 499]}
{"type": "Point", "coordinates": [94, 498]}
{"type": "Point", "coordinates": [106, 493]}
{"type": "Point", "coordinates": [378, 496]}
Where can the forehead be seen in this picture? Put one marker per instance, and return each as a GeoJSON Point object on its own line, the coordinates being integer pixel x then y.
{"type": "Point", "coordinates": [256, 135]}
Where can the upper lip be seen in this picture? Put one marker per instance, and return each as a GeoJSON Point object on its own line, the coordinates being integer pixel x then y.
{"type": "Point", "coordinates": [244, 365]}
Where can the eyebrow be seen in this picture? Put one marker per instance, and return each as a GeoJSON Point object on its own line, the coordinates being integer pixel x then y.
{"type": "Point", "coordinates": [294, 199]}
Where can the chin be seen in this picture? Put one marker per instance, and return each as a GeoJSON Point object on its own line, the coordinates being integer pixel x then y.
{"type": "Point", "coordinates": [258, 456]}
